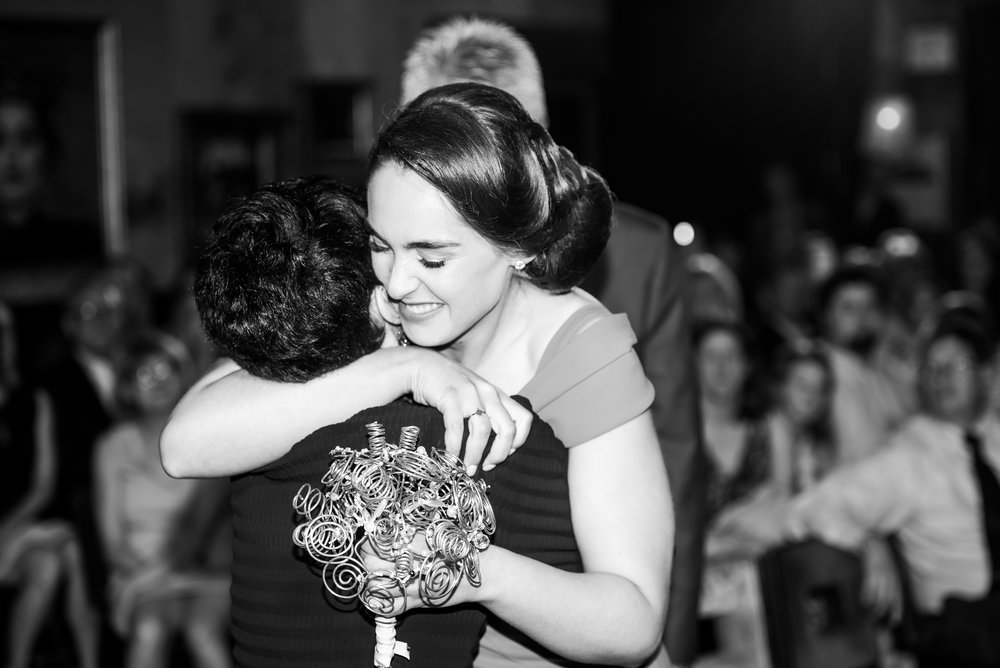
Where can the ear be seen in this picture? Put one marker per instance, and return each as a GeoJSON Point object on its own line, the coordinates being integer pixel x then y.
{"type": "Point", "coordinates": [383, 309]}
{"type": "Point", "coordinates": [519, 262]}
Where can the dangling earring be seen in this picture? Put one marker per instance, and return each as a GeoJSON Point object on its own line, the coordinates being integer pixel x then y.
{"type": "Point", "coordinates": [519, 265]}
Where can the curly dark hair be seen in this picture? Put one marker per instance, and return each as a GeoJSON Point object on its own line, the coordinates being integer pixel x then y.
{"type": "Point", "coordinates": [284, 283]}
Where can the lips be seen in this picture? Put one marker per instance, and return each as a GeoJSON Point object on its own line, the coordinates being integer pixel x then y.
{"type": "Point", "coordinates": [419, 311]}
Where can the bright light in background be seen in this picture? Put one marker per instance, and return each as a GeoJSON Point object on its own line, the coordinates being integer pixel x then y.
{"type": "Point", "coordinates": [889, 117]}
{"type": "Point", "coordinates": [901, 243]}
{"type": "Point", "coordinates": [890, 126]}
{"type": "Point", "coordinates": [684, 234]}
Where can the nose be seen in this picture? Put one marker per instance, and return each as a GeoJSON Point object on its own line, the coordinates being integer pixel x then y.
{"type": "Point", "coordinates": [402, 280]}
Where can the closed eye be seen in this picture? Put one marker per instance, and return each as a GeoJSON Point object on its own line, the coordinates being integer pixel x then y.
{"type": "Point", "coordinates": [432, 264]}
{"type": "Point", "coordinates": [376, 246]}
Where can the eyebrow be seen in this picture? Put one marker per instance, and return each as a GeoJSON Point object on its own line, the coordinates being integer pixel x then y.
{"type": "Point", "coordinates": [420, 245]}
{"type": "Point", "coordinates": [431, 245]}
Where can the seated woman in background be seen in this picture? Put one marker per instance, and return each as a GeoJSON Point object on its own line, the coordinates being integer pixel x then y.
{"type": "Point", "coordinates": [36, 555]}
{"type": "Point", "coordinates": [737, 442]}
{"type": "Point", "coordinates": [156, 530]}
{"type": "Point", "coordinates": [799, 422]}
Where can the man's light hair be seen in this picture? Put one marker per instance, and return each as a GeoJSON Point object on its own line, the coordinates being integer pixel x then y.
{"type": "Point", "coordinates": [480, 50]}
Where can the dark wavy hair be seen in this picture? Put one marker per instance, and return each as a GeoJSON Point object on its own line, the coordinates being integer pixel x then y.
{"type": "Point", "coordinates": [505, 176]}
{"type": "Point", "coordinates": [284, 283]}
{"type": "Point", "coordinates": [806, 351]}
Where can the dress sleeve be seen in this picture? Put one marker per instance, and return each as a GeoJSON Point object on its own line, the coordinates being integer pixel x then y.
{"type": "Point", "coordinates": [590, 379]}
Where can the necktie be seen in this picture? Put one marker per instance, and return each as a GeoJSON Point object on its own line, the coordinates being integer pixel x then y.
{"type": "Point", "coordinates": [989, 488]}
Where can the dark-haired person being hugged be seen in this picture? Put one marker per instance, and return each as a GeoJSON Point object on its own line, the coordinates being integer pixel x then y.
{"type": "Point", "coordinates": [479, 244]}
{"type": "Point", "coordinates": [284, 288]}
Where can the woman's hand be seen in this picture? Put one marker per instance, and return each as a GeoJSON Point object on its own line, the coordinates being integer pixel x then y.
{"type": "Point", "coordinates": [459, 393]}
{"type": "Point", "coordinates": [401, 601]}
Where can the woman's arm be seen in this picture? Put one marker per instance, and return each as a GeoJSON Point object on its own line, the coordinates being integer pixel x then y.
{"type": "Point", "coordinates": [613, 613]}
{"type": "Point", "coordinates": [44, 472]}
{"type": "Point", "coordinates": [230, 422]}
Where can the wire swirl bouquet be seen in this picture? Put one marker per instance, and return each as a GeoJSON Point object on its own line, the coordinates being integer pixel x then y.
{"type": "Point", "coordinates": [415, 508]}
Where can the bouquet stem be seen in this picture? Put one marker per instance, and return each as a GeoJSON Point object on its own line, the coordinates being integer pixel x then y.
{"type": "Point", "coordinates": [386, 644]}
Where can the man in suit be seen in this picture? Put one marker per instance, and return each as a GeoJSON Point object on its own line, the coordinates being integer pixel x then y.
{"type": "Point", "coordinates": [639, 274]}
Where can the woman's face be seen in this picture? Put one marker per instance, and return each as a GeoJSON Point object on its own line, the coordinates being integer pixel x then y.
{"type": "Point", "coordinates": [447, 281]}
{"type": "Point", "coordinates": [806, 391]}
{"type": "Point", "coordinates": [722, 364]}
{"type": "Point", "coordinates": [22, 154]}
{"type": "Point", "coordinates": [158, 383]}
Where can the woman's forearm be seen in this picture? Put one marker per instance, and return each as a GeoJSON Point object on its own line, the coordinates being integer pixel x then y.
{"type": "Point", "coordinates": [615, 612]}
{"type": "Point", "coordinates": [591, 617]}
{"type": "Point", "coordinates": [230, 422]}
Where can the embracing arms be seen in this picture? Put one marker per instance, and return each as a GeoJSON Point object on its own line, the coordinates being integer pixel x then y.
{"type": "Point", "coordinates": [230, 422]}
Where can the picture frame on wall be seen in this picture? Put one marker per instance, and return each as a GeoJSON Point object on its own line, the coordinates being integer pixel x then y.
{"type": "Point", "coordinates": [62, 186]}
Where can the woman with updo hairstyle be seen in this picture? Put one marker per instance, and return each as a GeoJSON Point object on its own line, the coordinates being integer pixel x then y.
{"type": "Point", "coordinates": [506, 177]}
{"type": "Point", "coordinates": [481, 227]}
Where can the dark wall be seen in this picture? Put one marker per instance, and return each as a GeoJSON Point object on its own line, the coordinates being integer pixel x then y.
{"type": "Point", "coordinates": [981, 56]}
{"type": "Point", "coordinates": [707, 92]}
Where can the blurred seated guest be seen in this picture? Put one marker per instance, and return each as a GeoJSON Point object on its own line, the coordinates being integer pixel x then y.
{"type": "Point", "coordinates": [779, 314]}
{"type": "Point", "coordinates": [935, 484]}
{"type": "Point", "coordinates": [799, 421]}
{"type": "Point", "coordinates": [103, 309]}
{"type": "Point", "coordinates": [977, 254]}
{"type": "Point", "coordinates": [788, 448]}
{"type": "Point", "coordinates": [713, 290]}
{"type": "Point", "coordinates": [736, 440]}
{"type": "Point", "coordinates": [913, 278]}
{"type": "Point", "coordinates": [39, 558]}
{"type": "Point", "coordinates": [868, 402]}
{"type": "Point", "coordinates": [740, 472]}
{"type": "Point", "coordinates": [97, 318]}
{"type": "Point", "coordinates": [154, 539]}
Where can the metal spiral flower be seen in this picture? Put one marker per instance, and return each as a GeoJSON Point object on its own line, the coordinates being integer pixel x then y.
{"type": "Point", "coordinates": [414, 508]}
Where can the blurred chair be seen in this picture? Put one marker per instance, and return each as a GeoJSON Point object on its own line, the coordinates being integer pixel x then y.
{"type": "Point", "coordinates": [812, 601]}
{"type": "Point", "coordinates": [731, 599]}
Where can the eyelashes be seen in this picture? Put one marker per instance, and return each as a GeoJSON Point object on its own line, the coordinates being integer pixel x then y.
{"type": "Point", "coordinates": [377, 247]}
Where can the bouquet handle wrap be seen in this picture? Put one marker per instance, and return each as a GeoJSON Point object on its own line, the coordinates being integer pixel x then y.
{"type": "Point", "coordinates": [386, 645]}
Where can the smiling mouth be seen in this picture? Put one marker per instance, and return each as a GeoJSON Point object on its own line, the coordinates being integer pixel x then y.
{"type": "Point", "coordinates": [411, 311]}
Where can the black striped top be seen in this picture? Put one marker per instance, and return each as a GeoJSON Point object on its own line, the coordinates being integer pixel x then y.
{"type": "Point", "coordinates": [282, 615]}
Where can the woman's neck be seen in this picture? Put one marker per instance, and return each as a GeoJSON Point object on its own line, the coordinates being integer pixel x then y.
{"type": "Point", "coordinates": [720, 409]}
{"type": "Point", "coordinates": [501, 326]}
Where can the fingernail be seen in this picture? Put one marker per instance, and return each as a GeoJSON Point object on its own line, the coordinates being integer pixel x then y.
{"type": "Point", "coordinates": [471, 470]}
{"type": "Point", "coordinates": [489, 467]}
